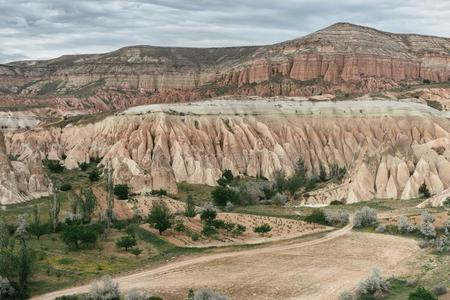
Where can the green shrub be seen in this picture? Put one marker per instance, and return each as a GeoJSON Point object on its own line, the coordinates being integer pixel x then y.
{"type": "Point", "coordinates": [316, 216]}
{"type": "Point", "coordinates": [209, 230]}
{"type": "Point", "coordinates": [262, 229]}
{"type": "Point", "coordinates": [179, 226]}
{"type": "Point", "coordinates": [226, 179]}
{"type": "Point", "coordinates": [336, 202]}
{"type": "Point", "coordinates": [83, 166]}
{"type": "Point", "coordinates": [160, 217]}
{"type": "Point", "coordinates": [126, 242]}
{"type": "Point", "coordinates": [54, 166]}
{"type": "Point", "coordinates": [219, 224]}
{"type": "Point", "coordinates": [136, 251]}
{"type": "Point", "coordinates": [208, 214]}
{"type": "Point", "coordinates": [121, 191]}
{"type": "Point", "coordinates": [94, 175]}
{"type": "Point", "coordinates": [435, 104]}
{"type": "Point", "coordinates": [426, 81]}
{"type": "Point", "coordinates": [421, 294]}
{"type": "Point", "coordinates": [424, 191]}
{"type": "Point", "coordinates": [65, 187]}
{"type": "Point", "coordinates": [221, 195]}
{"type": "Point", "coordinates": [159, 193]}
{"type": "Point", "coordinates": [238, 230]}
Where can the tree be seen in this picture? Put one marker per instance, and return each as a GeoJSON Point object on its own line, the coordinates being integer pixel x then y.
{"type": "Point", "coordinates": [6, 290]}
{"type": "Point", "coordinates": [424, 191]}
{"type": "Point", "coordinates": [38, 229]}
{"type": "Point", "coordinates": [300, 169]}
{"type": "Point", "coordinates": [77, 235]}
{"type": "Point", "coordinates": [136, 251]}
{"type": "Point", "coordinates": [322, 173]}
{"type": "Point", "coordinates": [109, 196]}
{"type": "Point", "coordinates": [340, 217]}
{"type": "Point", "coordinates": [54, 166]}
{"type": "Point", "coordinates": [190, 207]}
{"type": "Point", "coordinates": [88, 203]}
{"type": "Point", "coordinates": [294, 183]}
{"type": "Point", "coordinates": [316, 216]}
{"type": "Point", "coordinates": [104, 289]}
{"type": "Point", "coordinates": [404, 226]}
{"type": "Point", "coordinates": [121, 191]}
{"type": "Point", "coordinates": [279, 180]}
{"type": "Point", "coordinates": [262, 229]}
{"type": "Point", "coordinates": [221, 195]}
{"type": "Point", "coordinates": [126, 242]}
{"type": "Point", "coordinates": [365, 217]}
{"type": "Point", "coordinates": [426, 226]}
{"type": "Point", "coordinates": [55, 206]}
{"type": "Point", "coordinates": [374, 287]}
{"type": "Point", "coordinates": [94, 175]}
{"type": "Point", "coordinates": [422, 294]}
{"type": "Point", "coordinates": [226, 179]}
{"type": "Point", "coordinates": [160, 217]}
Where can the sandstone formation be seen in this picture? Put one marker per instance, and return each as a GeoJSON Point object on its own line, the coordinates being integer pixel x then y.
{"type": "Point", "coordinates": [342, 58]}
{"type": "Point", "coordinates": [388, 147]}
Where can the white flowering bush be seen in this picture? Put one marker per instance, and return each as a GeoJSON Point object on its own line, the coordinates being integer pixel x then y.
{"type": "Point", "coordinates": [365, 217]}
{"type": "Point", "coordinates": [104, 289]}
{"type": "Point", "coordinates": [374, 287]}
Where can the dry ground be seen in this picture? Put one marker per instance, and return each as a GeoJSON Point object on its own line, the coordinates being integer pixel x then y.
{"type": "Point", "coordinates": [317, 269]}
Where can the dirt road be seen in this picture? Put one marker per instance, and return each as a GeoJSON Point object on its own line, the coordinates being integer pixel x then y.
{"type": "Point", "coordinates": [128, 281]}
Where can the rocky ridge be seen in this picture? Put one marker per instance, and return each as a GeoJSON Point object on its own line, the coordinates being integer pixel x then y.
{"type": "Point", "coordinates": [342, 58]}
{"type": "Point", "coordinates": [388, 147]}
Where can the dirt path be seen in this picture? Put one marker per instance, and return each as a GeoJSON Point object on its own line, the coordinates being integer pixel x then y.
{"type": "Point", "coordinates": [127, 282]}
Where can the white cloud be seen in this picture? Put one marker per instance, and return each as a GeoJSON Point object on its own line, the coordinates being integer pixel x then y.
{"type": "Point", "coordinates": [50, 28]}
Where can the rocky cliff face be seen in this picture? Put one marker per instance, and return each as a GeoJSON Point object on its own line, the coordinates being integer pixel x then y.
{"type": "Point", "coordinates": [389, 148]}
{"type": "Point", "coordinates": [342, 58]}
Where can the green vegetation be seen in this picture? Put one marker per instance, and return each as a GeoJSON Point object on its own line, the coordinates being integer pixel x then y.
{"type": "Point", "coordinates": [435, 104]}
{"type": "Point", "coordinates": [160, 217]}
{"type": "Point", "coordinates": [121, 191]}
{"type": "Point", "coordinates": [424, 191]}
{"type": "Point", "coordinates": [262, 229]}
{"type": "Point", "coordinates": [190, 207]}
{"type": "Point", "coordinates": [421, 294]}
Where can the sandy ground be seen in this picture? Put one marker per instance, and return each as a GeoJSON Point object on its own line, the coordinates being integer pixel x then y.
{"type": "Point", "coordinates": [317, 269]}
{"type": "Point", "coordinates": [282, 229]}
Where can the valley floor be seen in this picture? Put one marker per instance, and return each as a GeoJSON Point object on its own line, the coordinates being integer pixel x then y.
{"type": "Point", "coordinates": [314, 269]}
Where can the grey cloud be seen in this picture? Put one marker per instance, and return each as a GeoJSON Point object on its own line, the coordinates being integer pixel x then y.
{"type": "Point", "coordinates": [50, 28]}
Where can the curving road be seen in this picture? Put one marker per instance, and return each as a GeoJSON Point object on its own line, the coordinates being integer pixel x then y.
{"type": "Point", "coordinates": [128, 280]}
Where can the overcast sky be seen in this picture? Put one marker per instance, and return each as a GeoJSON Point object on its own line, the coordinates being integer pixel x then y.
{"type": "Point", "coordinates": [50, 28]}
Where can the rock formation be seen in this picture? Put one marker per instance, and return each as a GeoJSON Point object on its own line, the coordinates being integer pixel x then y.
{"type": "Point", "coordinates": [388, 147]}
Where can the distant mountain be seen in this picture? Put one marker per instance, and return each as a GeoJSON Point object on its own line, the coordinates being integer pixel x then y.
{"type": "Point", "coordinates": [342, 58]}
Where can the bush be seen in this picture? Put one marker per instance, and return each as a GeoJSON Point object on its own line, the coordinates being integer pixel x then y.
{"type": "Point", "coordinates": [83, 166]}
{"type": "Point", "coordinates": [421, 294]}
{"type": "Point", "coordinates": [226, 179]}
{"type": "Point", "coordinates": [136, 251]}
{"type": "Point", "coordinates": [179, 226]}
{"type": "Point", "coordinates": [126, 242]}
{"type": "Point", "coordinates": [94, 175]}
{"type": "Point", "coordinates": [426, 226]}
{"type": "Point", "coordinates": [219, 224]}
{"type": "Point", "coordinates": [229, 207]}
{"type": "Point", "coordinates": [136, 294]}
{"type": "Point", "coordinates": [104, 289]}
{"type": "Point", "coordinates": [317, 216]}
{"type": "Point", "coordinates": [426, 81]}
{"type": "Point", "coordinates": [446, 202]}
{"type": "Point", "coordinates": [336, 202]}
{"type": "Point", "coordinates": [374, 287]}
{"type": "Point", "coordinates": [221, 195]}
{"type": "Point", "coordinates": [279, 199]}
{"type": "Point", "coordinates": [209, 230]}
{"type": "Point", "coordinates": [54, 166]}
{"type": "Point", "coordinates": [121, 191]}
{"type": "Point", "coordinates": [424, 191]}
{"type": "Point", "coordinates": [345, 295]}
{"type": "Point", "coordinates": [365, 217]}
{"type": "Point", "coordinates": [65, 187]}
{"type": "Point", "coordinates": [6, 290]}
{"type": "Point", "coordinates": [206, 294]}
{"type": "Point", "coordinates": [159, 193]}
{"type": "Point", "coordinates": [262, 229]}
{"type": "Point", "coordinates": [160, 217]}
{"type": "Point", "coordinates": [381, 228]}
{"type": "Point", "coordinates": [69, 297]}
{"type": "Point", "coordinates": [190, 207]}
{"type": "Point", "coordinates": [439, 290]}
{"type": "Point", "coordinates": [404, 226]}
{"type": "Point", "coordinates": [208, 214]}
{"type": "Point", "coordinates": [435, 104]}
{"type": "Point", "coordinates": [238, 230]}
{"type": "Point", "coordinates": [340, 217]}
